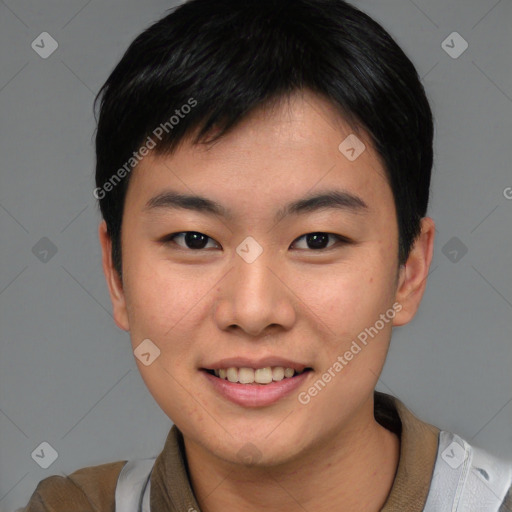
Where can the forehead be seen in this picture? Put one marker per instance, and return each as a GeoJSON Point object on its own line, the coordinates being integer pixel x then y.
{"type": "Point", "coordinates": [277, 153]}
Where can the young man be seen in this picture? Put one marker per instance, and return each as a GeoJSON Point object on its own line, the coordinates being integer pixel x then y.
{"type": "Point", "coordinates": [263, 172]}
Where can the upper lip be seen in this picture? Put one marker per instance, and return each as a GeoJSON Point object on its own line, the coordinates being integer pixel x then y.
{"type": "Point", "coordinates": [244, 362]}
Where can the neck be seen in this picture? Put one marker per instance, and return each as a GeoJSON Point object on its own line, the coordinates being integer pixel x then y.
{"type": "Point", "coordinates": [352, 470]}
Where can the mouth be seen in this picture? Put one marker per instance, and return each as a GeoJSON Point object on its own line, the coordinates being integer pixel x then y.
{"type": "Point", "coordinates": [256, 376]}
{"type": "Point", "coordinates": [256, 387]}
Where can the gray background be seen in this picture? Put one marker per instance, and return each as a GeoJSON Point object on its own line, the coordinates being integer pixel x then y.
{"type": "Point", "coordinates": [67, 374]}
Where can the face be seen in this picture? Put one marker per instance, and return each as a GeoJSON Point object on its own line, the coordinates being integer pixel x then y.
{"type": "Point", "coordinates": [288, 260]}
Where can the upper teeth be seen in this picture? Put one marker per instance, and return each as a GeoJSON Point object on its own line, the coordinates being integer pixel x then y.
{"type": "Point", "coordinates": [260, 375]}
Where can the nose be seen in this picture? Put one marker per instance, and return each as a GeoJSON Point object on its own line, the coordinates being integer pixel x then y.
{"type": "Point", "coordinates": [254, 298]}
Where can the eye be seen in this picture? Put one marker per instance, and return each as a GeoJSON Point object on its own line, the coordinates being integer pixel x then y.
{"type": "Point", "coordinates": [190, 240]}
{"type": "Point", "coordinates": [319, 241]}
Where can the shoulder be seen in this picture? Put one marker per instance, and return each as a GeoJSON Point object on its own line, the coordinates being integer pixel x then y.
{"type": "Point", "coordinates": [88, 489]}
{"type": "Point", "coordinates": [468, 478]}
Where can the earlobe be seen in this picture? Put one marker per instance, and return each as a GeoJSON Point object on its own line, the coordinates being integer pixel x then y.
{"type": "Point", "coordinates": [114, 282]}
{"type": "Point", "coordinates": [413, 275]}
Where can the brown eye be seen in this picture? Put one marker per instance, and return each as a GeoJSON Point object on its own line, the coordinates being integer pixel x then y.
{"type": "Point", "coordinates": [191, 240]}
{"type": "Point", "coordinates": [319, 240]}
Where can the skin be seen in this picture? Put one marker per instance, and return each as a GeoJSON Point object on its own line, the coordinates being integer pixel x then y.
{"type": "Point", "coordinates": [303, 304]}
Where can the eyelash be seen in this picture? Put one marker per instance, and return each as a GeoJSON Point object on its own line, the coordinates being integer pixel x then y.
{"type": "Point", "coordinates": [340, 239]}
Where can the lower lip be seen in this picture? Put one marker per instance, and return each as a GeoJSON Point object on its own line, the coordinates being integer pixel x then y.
{"type": "Point", "coordinates": [256, 395]}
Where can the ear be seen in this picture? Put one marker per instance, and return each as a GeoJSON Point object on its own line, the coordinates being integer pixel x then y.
{"type": "Point", "coordinates": [114, 282]}
{"type": "Point", "coordinates": [413, 275]}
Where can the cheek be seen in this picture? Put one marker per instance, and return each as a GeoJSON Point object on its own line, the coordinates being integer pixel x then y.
{"type": "Point", "coordinates": [350, 296]}
{"type": "Point", "coordinates": [158, 299]}
{"type": "Point", "coordinates": [169, 304]}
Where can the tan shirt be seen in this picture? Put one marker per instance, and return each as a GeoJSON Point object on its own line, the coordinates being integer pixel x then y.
{"type": "Point", "coordinates": [92, 489]}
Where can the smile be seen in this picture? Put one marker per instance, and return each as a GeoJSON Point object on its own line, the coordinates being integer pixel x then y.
{"type": "Point", "coordinates": [265, 375]}
{"type": "Point", "coordinates": [246, 388]}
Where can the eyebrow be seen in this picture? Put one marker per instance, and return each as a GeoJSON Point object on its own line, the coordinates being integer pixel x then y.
{"type": "Point", "coordinates": [330, 199]}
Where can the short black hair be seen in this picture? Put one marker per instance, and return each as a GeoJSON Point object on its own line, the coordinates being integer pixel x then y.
{"type": "Point", "coordinates": [207, 64]}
